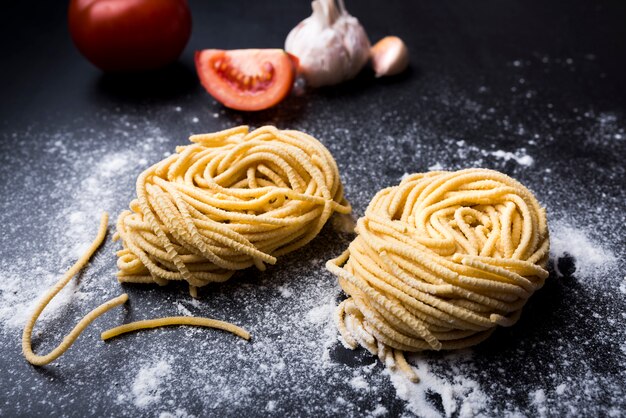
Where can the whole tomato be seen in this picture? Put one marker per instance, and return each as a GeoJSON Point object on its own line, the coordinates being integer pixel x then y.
{"type": "Point", "coordinates": [130, 35]}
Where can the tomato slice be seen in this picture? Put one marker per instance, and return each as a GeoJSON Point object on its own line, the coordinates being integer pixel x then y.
{"type": "Point", "coordinates": [246, 79]}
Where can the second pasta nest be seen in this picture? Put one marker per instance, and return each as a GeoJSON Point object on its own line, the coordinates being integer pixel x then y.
{"type": "Point", "coordinates": [439, 262]}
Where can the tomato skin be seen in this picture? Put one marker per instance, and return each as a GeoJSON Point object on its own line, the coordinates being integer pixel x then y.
{"type": "Point", "coordinates": [267, 76]}
{"type": "Point", "coordinates": [130, 35]}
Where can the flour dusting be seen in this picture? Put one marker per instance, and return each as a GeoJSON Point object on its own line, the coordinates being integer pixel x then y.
{"type": "Point", "coordinates": [591, 259]}
{"type": "Point", "coordinates": [457, 395]}
{"type": "Point", "coordinates": [147, 386]}
{"type": "Point", "coordinates": [519, 156]}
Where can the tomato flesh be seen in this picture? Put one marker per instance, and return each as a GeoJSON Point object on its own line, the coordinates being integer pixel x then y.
{"type": "Point", "coordinates": [246, 79]}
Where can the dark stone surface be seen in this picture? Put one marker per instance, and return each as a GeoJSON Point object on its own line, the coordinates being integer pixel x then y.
{"type": "Point", "coordinates": [542, 79]}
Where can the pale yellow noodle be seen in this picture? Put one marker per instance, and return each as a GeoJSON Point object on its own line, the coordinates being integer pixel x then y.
{"type": "Point", "coordinates": [175, 320]}
{"type": "Point", "coordinates": [230, 200]}
{"type": "Point", "coordinates": [439, 261]}
{"type": "Point", "coordinates": [69, 339]}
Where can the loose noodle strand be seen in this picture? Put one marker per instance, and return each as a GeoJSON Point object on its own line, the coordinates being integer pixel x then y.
{"type": "Point", "coordinates": [27, 350]}
{"type": "Point", "coordinates": [175, 320]}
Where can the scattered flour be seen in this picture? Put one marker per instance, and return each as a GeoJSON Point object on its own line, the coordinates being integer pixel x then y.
{"type": "Point", "coordinates": [359, 383]}
{"type": "Point", "coordinates": [590, 258]}
{"type": "Point", "coordinates": [379, 411]}
{"type": "Point", "coordinates": [114, 164]}
{"type": "Point", "coordinates": [519, 156]}
{"type": "Point", "coordinates": [460, 395]}
{"type": "Point", "coordinates": [285, 291]}
{"type": "Point", "coordinates": [468, 151]}
{"type": "Point", "coordinates": [178, 413]}
{"type": "Point", "coordinates": [15, 315]}
{"type": "Point", "coordinates": [148, 384]}
{"type": "Point", "coordinates": [321, 314]}
{"type": "Point", "coordinates": [538, 399]}
{"type": "Point", "coordinates": [182, 310]}
{"type": "Point", "coordinates": [436, 167]}
{"type": "Point", "coordinates": [271, 406]}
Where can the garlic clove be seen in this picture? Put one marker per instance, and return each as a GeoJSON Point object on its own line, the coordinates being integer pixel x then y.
{"type": "Point", "coordinates": [390, 56]}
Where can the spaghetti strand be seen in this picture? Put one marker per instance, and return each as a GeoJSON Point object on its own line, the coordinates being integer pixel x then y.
{"type": "Point", "coordinates": [27, 350]}
{"type": "Point", "coordinates": [175, 320]}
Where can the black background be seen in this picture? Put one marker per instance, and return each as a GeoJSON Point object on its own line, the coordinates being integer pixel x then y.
{"type": "Point", "coordinates": [468, 60]}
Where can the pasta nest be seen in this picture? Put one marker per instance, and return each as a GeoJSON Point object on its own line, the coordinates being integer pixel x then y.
{"type": "Point", "coordinates": [439, 261]}
{"type": "Point", "coordinates": [230, 200]}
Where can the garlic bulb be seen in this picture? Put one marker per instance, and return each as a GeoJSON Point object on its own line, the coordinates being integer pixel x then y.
{"type": "Point", "coordinates": [390, 56]}
{"type": "Point", "coordinates": [331, 45]}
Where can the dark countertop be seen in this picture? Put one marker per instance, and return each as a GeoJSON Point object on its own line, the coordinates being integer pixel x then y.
{"type": "Point", "coordinates": [534, 89]}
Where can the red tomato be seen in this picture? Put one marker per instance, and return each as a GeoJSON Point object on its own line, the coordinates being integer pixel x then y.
{"type": "Point", "coordinates": [246, 79]}
{"type": "Point", "coordinates": [130, 35]}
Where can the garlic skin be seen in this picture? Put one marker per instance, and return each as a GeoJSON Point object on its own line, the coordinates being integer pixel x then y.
{"type": "Point", "coordinates": [331, 45]}
{"type": "Point", "coordinates": [390, 56]}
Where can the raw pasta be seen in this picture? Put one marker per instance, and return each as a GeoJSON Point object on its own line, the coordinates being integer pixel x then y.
{"type": "Point", "coordinates": [69, 339]}
{"type": "Point", "coordinates": [175, 320]}
{"type": "Point", "coordinates": [42, 360]}
{"type": "Point", "coordinates": [438, 262]}
{"type": "Point", "coordinates": [231, 200]}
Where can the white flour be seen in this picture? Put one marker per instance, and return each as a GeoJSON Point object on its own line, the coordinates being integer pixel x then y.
{"type": "Point", "coordinates": [459, 395]}
{"type": "Point", "coordinates": [591, 260]}
{"type": "Point", "coordinates": [148, 385]}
